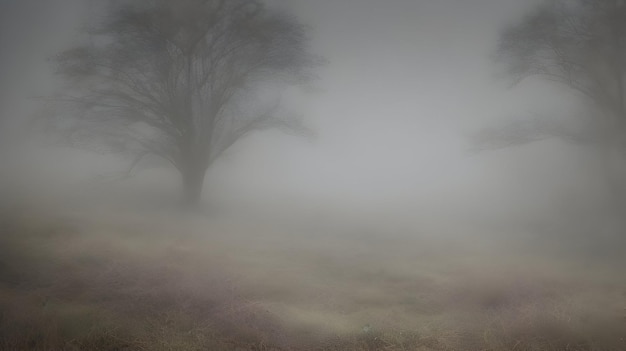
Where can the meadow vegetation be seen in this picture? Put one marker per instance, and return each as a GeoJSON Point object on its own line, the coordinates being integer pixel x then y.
{"type": "Point", "coordinates": [188, 282]}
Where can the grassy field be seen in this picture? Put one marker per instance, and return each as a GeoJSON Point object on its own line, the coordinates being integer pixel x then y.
{"type": "Point", "coordinates": [166, 282]}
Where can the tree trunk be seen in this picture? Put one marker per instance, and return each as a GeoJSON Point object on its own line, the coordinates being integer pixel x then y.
{"type": "Point", "coordinates": [193, 181]}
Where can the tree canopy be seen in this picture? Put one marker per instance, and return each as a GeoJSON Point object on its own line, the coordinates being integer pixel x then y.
{"type": "Point", "coordinates": [579, 43]}
{"type": "Point", "coordinates": [170, 76]}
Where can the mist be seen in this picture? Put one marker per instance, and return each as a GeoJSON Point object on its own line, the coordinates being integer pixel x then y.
{"type": "Point", "coordinates": [312, 175]}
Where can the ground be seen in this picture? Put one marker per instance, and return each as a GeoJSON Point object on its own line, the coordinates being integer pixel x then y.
{"type": "Point", "coordinates": [76, 281]}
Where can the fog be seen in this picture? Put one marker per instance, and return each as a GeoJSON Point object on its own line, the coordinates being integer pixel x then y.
{"type": "Point", "coordinates": [422, 187]}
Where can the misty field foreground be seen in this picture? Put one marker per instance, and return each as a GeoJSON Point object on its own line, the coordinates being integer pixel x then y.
{"type": "Point", "coordinates": [167, 282]}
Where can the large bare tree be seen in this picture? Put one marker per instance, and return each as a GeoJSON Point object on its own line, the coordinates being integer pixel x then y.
{"type": "Point", "coordinates": [172, 76]}
{"type": "Point", "coordinates": [580, 44]}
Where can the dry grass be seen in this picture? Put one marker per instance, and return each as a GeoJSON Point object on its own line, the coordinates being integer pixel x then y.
{"type": "Point", "coordinates": [171, 283]}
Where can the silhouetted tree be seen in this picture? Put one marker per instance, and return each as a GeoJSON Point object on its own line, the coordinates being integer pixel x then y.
{"type": "Point", "coordinates": [580, 44]}
{"type": "Point", "coordinates": [172, 76]}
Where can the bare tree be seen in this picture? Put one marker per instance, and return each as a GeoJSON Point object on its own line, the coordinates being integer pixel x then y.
{"type": "Point", "coordinates": [171, 76]}
{"type": "Point", "coordinates": [580, 44]}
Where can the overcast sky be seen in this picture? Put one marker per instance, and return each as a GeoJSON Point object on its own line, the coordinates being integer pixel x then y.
{"type": "Point", "coordinates": [406, 82]}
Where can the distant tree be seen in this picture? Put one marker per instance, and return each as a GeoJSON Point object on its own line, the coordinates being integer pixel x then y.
{"type": "Point", "coordinates": [172, 76]}
{"type": "Point", "coordinates": [580, 44]}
